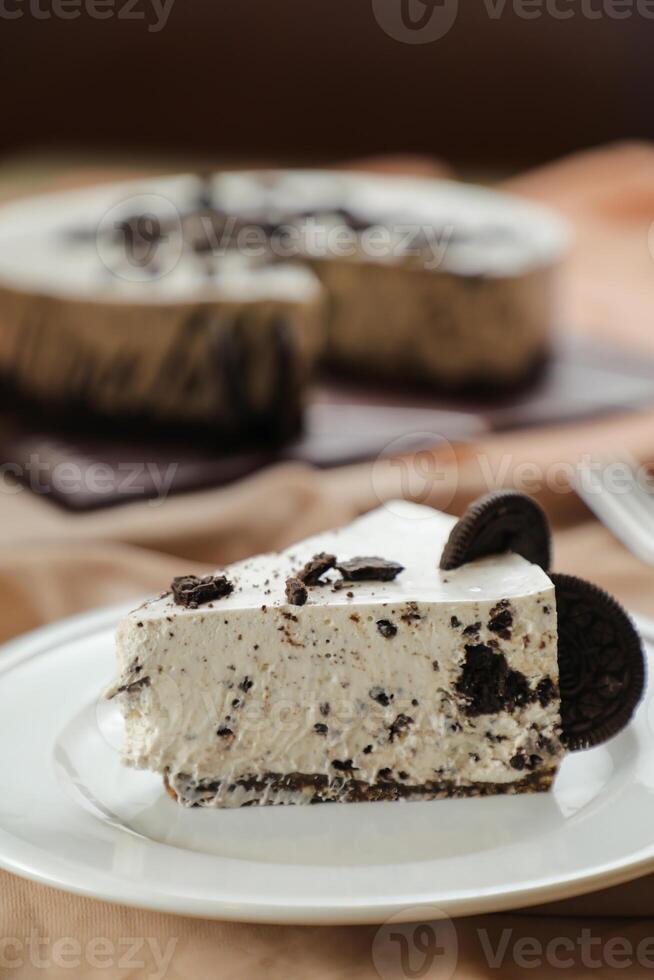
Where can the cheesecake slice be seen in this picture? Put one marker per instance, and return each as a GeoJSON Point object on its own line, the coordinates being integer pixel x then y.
{"type": "Point", "coordinates": [348, 668]}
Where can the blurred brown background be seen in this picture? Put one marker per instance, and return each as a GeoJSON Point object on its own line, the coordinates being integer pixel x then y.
{"type": "Point", "coordinates": [320, 79]}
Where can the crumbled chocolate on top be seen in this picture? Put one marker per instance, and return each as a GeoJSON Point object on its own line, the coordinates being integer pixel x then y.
{"type": "Point", "coordinates": [296, 591]}
{"type": "Point", "coordinates": [193, 591]}
{"type": "Point", "coordinates": [314, 569]}
{"type": "Point", "coordinates": [386, 628]}
{"type": "Point", "coordinates": [369, 569]}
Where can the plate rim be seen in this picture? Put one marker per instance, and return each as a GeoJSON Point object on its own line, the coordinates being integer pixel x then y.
{"type": "Point", "coordinates": [15, 853]}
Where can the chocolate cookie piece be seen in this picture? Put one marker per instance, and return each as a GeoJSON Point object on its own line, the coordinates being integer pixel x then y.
{"type": "Point", "coordinates": [499, 522]}
{"type": "Point", "coordinates": [386, 628]}
{"type": "Point", "coordinates": [193, 591]}
{"type": "Point", "coordinates": [601, 663]}
{"type": "Point", "coordinates": [316, 568]}
{"type": "Point", "coordinates": [369, 569]}
{"type": "Point", "coordinates": [296, 591]}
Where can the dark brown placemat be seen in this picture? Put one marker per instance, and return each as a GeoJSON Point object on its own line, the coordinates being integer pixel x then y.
{"type": "Point", "coordinates": [346, 423]}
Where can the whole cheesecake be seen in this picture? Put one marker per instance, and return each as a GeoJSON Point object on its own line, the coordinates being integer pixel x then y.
{"type": "Point", "coordinates": [207, 302]}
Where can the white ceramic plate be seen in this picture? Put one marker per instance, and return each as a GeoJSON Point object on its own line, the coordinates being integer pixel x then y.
{"type": "Point", "coordinates": [73, 817]}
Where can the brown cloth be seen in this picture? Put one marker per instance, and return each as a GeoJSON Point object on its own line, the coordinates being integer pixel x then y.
{"type": "Point", "coordinates": [53, 564]}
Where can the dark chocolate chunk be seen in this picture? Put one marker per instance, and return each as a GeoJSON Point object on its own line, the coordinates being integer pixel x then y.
{"type": "Point", "coordinates": [369, 569]}
{"type": "Point", "coordinates": [194, 591]}
{"type": "Point", "coordinates": [246, 685]}
{"type": "Point", "coordinates": [224, 732]}
{"type": "Point", "coordinates": [546, 691]}
{"type": "Point", "coordinates": [381, 697]}
{"type": "Point", "coordinates": [545, 744]}
{"type": "Point", "coordinates": [496, 523]}
{"type": "Point", "coordinates": [601, 663]}
{"type": "Point", "coordinates": [386, 628]}
{"type": "Point", "coordinates": [501, 619]}
{"type": "Point", "coordinates": [488, 685]}
{"type": "Point", "coordinates": [131, 686]}
{"type": "Point", "coordinates": [296, 592]}
{"type": "Point", "coordinates": [320, 728]}
{"type": "Point", "coordinates": [399, 726]}
{"type": "Point", "coordinates": [343, 765]}
{"type": "Point", "coordinates": [314, 569]}
{"type": "Point", "coordinates": [411, 614]}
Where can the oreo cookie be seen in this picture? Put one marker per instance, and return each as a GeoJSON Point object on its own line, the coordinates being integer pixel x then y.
{"type": "Point", "coordinates": [296, 591]}
{"type": "Point", "coordinates": [315, 568]}
{"type": "Point", "coordinates": [499, 522]}
{"type": "Point", "coordinates": [372, 569]}
{"type": "Point", "coordinates": [601, 663]}
{"type": "Point", "coordinates": [193, 591]}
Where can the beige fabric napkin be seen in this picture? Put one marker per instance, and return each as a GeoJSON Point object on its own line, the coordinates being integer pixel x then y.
{"type": "Point", "coordinates": [53, 564]}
